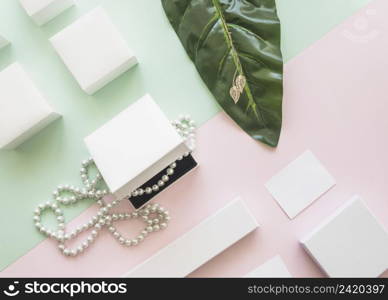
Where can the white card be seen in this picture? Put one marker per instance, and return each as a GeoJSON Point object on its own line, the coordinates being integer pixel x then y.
{"type": "Point", "coordinates": [350, 243]}
{"type": "Point", "coordinates": [273, 268]}
{"type": "Point", "coordinates": [299, 184]}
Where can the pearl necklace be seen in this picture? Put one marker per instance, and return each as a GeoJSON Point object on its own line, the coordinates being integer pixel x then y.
{"type": "Point", "coordinates": [154, 216]}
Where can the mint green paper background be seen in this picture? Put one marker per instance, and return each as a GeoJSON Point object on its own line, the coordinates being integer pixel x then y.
{"type": "Point", "coordinates": [29, 174]}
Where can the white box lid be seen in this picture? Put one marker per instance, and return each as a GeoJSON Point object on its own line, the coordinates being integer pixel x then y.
{"type": "Point", "coordinates": [134, 146]}
{"type": "Point", "coordinates": [23, 109]}
{"type": "Point", "coordinates": [350, 243]}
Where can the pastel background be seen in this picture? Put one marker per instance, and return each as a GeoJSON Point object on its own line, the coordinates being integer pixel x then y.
{"type": "Point", "coordinates": [334, 104]}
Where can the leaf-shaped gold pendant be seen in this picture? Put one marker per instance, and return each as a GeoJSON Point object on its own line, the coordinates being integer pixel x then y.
{"type": "Point", "coordinates": [240, 82]}
{"type": "Point", "coordinates": [234, 93]}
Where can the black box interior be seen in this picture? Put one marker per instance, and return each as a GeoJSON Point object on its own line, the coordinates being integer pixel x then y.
{"type": "Point", "coordinates": [182, 167]}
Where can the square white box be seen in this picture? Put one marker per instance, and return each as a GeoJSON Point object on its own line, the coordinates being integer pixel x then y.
{"type": "Point", "coordinates": [206, 240]}
{"type": "Point", "coordinates": [43, 11]}
{"type": "Point", "coordinates": [93, 50]}
{"type": "Point", "coordinates": [23, 110]}
{"type": "Point", "coordinates": [273, 268]}
{"type": "Point", "coordinates": [350, 243]}
{"type": "Point", "coordinates": [134, 146]}
{"type": "Point", "coordinates": [3, 42]}
{"type": "Point", "coordinates": [299, 184]}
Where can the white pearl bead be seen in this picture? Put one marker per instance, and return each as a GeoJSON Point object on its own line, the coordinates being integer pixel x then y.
{"type": "Point", "coordinates": [155, 188]}
{"type": "Point", "coordinates": [156, 227]}
{"type": "Point", "coordinates": [165, 178]}
{"type": "Point", "coordinates": [134, 242]}
{"type": "Point", "coordinates": [148, 190]}
{"type": "Point", "coordinates": [170, 171]}
{"type": "Point", "coordinates": [128, 243]}
{"type": "Point", "coordinates": [150, 228]}
{"type": "Point", "coordinates": [160, 183]}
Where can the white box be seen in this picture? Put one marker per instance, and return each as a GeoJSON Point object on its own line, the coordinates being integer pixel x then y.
{"type": "Point", "coordinates": [350, 243]}
{"type": "Point", "coordinates": [134, 146]}
{"type": "Point", "coordinates": [93, 50]}
{"type": "Point", "coordinates": [3, 42]}
{"type": "Point", "coordinates": [273, 268]}
{"type": "Point", "coordinates": [200, 244]}
{"type": "Point", "coordinates": [299, 184]}
{"type": "Point", "coordinates": [43, 11]}
{"type": "Point", "coordinates": [23, 110]}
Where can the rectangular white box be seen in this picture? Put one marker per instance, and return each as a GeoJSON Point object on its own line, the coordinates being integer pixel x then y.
{"type": "Point", "coordinates": [273, 268]}
{"type": "Point", "coordinates": [200, 244]}
{"type": "Point", "coordinates": [93, 50]}
{"type": "Point", "coordinates": [3, 42]}
{"type": "Point", "coordinates": [134, 146]}
{"type": "Point", "coordinates": [350, 243]}
{"type": "Point", "coordinates": [299, 184]}
{"type": "Point", "coordinates": [23, 110]}
{"type": "Point", "coordinates": [43, 11]}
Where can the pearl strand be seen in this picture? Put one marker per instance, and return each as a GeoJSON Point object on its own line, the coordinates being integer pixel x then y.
{"type": "Point", "coordinates": [154, 216]}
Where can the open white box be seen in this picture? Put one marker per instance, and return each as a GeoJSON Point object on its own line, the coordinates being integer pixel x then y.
{"type": "Point", "coordinates": [93, 50]}
{"type": "Point", "coordinates": [3, 42]}
{"type": "Point", "coordinates": [23, 110]}
{"type": "Point", "coordinates": [350, 243]}
{"type": "Point", "coordinates": [135, 146]}
{"type": "Point", "coordinates": [42, 11]}
{"type": "Point", "coordinates": [197, 246]}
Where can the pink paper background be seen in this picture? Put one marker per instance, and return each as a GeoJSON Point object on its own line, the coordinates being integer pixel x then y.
{"type": "Point", "coordinates": [335, 104]}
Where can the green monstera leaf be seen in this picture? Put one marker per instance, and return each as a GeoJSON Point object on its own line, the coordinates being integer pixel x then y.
{"type": "Point", "coordinates": [235, 46]}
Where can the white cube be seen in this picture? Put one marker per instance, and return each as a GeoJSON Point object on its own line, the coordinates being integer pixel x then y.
{"type": "Point", "coordinates": [93, 50]}
{"type": "Point", "coordinates": [3, 42]}
{"type": "Point", "coordinates": [134, 146]}
{"type": "Point", "coordinates": [42, 11]}
{"type": "Point", "coordinates": [23, 110]}
{"type": "Point", "coordinates": [350, 243]}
